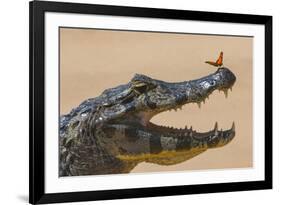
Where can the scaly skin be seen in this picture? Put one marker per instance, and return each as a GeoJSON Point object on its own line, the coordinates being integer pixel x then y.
{"type": "Point", "coordinates": [112, 133]}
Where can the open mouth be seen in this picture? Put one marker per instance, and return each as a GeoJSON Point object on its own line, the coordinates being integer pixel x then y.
{"type": "Point", "coordinates": [153, 97]}
{"type": "Point", "coordinates": [197, 91]}
{"type": "Point", "coordinates": [222, 136]}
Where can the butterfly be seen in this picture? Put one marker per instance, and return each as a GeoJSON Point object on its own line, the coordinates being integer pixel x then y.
{"type": "Point", "coordinates": [218, 63]}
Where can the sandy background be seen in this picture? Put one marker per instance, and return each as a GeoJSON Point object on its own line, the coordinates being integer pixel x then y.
{"type": "Point", "coordinates": [94, 60]}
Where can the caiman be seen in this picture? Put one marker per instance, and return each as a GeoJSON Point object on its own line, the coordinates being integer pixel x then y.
{"type": "Point", "coordinates": [112, 133]}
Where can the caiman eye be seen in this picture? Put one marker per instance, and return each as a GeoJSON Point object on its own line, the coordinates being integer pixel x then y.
{"type": "Point", "coordinates": [141, 88]}
{"type": "Point", "coordinates": [213, 83]}
{"type": "Point", "coordinates": [137, 89]}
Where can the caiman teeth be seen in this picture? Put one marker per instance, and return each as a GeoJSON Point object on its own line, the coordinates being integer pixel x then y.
{"type": "Point", "coordinates": [233, 127]}
{"type": "Point", "coordinates": [225, 92]}
{"type": "Point", "coordinates": [191, 132]}
{"type": "Point", "coordinates": [216, 128]}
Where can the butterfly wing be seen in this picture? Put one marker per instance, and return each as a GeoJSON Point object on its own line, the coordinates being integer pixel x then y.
{"type": "Point", "coordinates": [212, 63]}
{"type": "Point", "coordinates": [220, 59]}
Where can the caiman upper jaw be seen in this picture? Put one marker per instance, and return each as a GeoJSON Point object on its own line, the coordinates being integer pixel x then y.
{"type": "Point", "coordinates": [175, 95]}
{"type": "Point", "coordinates": [172, 96]}
{"type": "Point", "coordinates": [197, 91]}
{"type": "Point", "coordinates": [145, 97]}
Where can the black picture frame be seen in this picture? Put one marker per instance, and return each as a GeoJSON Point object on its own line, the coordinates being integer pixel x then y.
{"type": "Point", "coordinates": [37, 11]}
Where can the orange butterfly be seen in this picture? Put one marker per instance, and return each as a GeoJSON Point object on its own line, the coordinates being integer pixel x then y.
{"type": "Point", "coordinates": [218, 63]}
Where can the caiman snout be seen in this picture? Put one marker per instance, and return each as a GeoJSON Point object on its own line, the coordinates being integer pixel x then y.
{"type": "Point", "coordinates": [227, 78]}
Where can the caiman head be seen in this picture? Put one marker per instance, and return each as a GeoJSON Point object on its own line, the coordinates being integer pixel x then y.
{"type": "Point", "coordinates": [122, 124]}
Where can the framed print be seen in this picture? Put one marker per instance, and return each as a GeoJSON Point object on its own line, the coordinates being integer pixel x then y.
{"type": "Point", "coordinates": [140, 102]}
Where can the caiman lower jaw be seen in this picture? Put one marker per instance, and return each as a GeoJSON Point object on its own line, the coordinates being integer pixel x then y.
{"type": "Point", "coordinates": [177, 145]}
{"type": "Point", "coordinates": [212, 138]}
